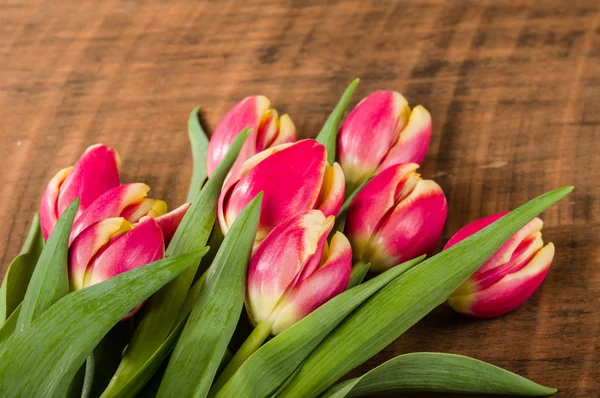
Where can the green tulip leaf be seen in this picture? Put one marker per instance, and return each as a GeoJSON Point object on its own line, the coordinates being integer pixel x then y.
{"type": "Point", "coordinates": [359, 271]}
{"type": "Point", "coordinates": [199, 143]}
{"type": "Point", "coordinates": [210, 326]}
{"type": "Point", "coordinates": [328, 134]}
{"type": "Point", "coordinates": [272, 364]}
{"type": "Point", "coordinates": [50, 278]}
{"type": "Point", "coordinates": [160, 316]}
{"type": "Point", "coordinates": [407, 299]}
{"type": "Point", "coordinates": [34, 243]}
{"type": "Point", "coordinates": [436, 372]}
{"type": "Point", "coordinates": [59, 340]}
{"type": "Point", "coordinates": [10, 325]}
{"type": "Point", "coordinates": [17, 276]}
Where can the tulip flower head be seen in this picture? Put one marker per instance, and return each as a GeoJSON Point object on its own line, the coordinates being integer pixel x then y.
{"type": "Point", "coordinates": [396, 217]}
{"type": "Point", "coordinates": [380, 132]}
{"type": "Point", "coordinates": [117, 228]}
{"type": "Point", "coordinates": [293, 178]}
{"type": "Point", "coordinates": [268, 130]}
{"type": "Point", "coordinates": [508, 278]}
{"type": "Point", "coordinates": [294, 271]}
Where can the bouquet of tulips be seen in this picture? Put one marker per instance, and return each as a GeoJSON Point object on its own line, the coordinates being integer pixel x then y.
{"type": "Point", "coordinates": [292, 263]}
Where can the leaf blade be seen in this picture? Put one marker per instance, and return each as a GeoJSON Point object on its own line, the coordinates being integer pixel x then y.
{"type": "Point", "coordinates": [328, 134]}
{"type": "Point", "coordinates": [200, 350]}
{"type": "Point", "coordinates": [437, 372]}
{"type": "Point", "coordinates": [400, 304]}
{"type": "Point", "coordinates": [199, 143]}
{"type": "Point", "coordinates": [49, 280]}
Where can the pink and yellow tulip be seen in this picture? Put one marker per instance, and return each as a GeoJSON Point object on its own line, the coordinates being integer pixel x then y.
{"type": "Point", "coordinates": [294, 271]}
{"type": "Point", "coordinates": [268, 130]}
{"type": "Point", "coordinates": [117, 227]}
{"type": "Point", "coordinates": [509, 277]}
{"type": "Point", "coordinates": [293, 178]}
{"type": "Point", "coordinates": [380, 132]}
{"type": "Point", "coordinates": [396, 217]}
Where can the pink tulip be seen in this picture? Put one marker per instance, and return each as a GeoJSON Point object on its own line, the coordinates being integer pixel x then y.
{"type": "Point", "coordinates": [293, 177]}
{"type": "Point", "coordinates": [117, 227]}
{"type": "Point", "coordinates": [268, 130]}
{"type": "Point", "coordinates": [396, 217]}
{"type": "Point", "coordinates": [381, 132]}
{"type": "Point", "coordinates": [508, 278]}
{"type": "Point", "coordinates": [96, 172]}
{"type": "Point", "coordinates": [293, 272]}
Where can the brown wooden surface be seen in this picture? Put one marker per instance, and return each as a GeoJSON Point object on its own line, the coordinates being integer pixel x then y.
{"type": "Point", "coordinates": [513, 87]}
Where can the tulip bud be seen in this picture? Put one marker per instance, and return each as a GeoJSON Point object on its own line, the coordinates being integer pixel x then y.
{"type": "Point", "coordinates": [293, 178]}
{"type": "Point", "coordinates": [268, 130]}
{"type": "Point", "coordinates": [381, 132]}
{"type": "Point", "coordinates": [96, 172]}
{"type": "Point", "coordinates": [396, 217]}
{"type": "Point", "coordinates": [293, 272]}
{"type": "Point", "coordinates": [508, 278]}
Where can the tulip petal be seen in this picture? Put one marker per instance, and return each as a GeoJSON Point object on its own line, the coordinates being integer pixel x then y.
{"type": "Point", "coordinates": [140, 246]}
{"type": "Point", "coordinates": [279, 260]}
{"type": "Point", "coordinates": [333, 190]}
{"type": "Point", "coordinates": [146, 207]}
{"type": "Point", "coordinates": [89, 242]}
{"type": "Point", "coordinates": [290, 179]}
{"type": "Point", "coordinates": [169, 222]}
{"type": "Point", "coordinates": [96, 172]}
{"type": "Point", "coordinates": [287, 131]}
{"type": "Point", "coordinates": [369, 132]}
{"type": "Point", "coordinates": [109, 205]}
{"type": "Point", "coordinates": [505, 253]}
{"type": "Point", "coordinates": [375, 200]}
{"type": "Point", "coordinates": [267, 132]}
{"type": "Point", "coordinates": [413, 142]}
{"type": "Point", "coordinates": [246, 113]}
{"type": "Point", "coordinates": [510, 292]}
{"type": "Point", "coordinates": [48, 210]}
{"type": "Point", "coordinates": [411, 229]}
{"type": "Point", "coordinates": [322, 285]}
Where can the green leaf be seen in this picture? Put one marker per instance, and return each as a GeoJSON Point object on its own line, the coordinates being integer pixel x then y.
{"type": "Point", "coordinates": [59, 340]}
{"type": "Point", "coordinates": [276, 361]}
{"type": "Point", "coordinates": [359, 271]}
{"type": "Point", "coordinates": [160, 315]}
{"type": "Point", "coordinates": [199, 143]}
{"type": "Point", "coordinates": [10, 325]}
{"type": "Point", "coordinates": [15, 284]}
{"type": "Point", "coordinates": [340, 219]}
{"type": "Point", "coordinates": [203, 342]}
{"type": "Point", "coordinates": [17, 276]}
{"type": "Point", "coordinates": [436, 372]}
{"type": "Point", "coordinates": [50, 278]}
{"type": "Point", "coordinates": [403, 302]}
{"type": "Point", "coordinates": [328, 134]}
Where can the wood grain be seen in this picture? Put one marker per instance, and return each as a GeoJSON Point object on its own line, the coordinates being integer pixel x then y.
{"type": "Point", "coordinates": [513, 87]}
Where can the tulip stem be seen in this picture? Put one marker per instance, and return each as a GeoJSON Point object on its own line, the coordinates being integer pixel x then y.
{"type": "Point", "coordinates": [253, 342]}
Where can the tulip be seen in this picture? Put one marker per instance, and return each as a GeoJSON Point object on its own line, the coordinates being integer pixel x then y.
{"type": "Point", "coordinates": [380, 132]}
{"type": "Point", "coordinates": [509, 277]}
{"type": "Point", "coordinates": [293, 178]}
{"type": "Point", "coordinates": [396, 217]}
{"type": "Point", "coordinates": [117, 227]}
{"type": "Point", "coordinates": [293, 272]}
{"type": "Point", "coordinates": [96, 172]}
{"type": "Point", "coordinates": [268, 130]}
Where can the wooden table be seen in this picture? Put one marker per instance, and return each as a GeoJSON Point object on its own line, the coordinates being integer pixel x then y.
{"type": "Point", "coordinates": [513, 87]}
